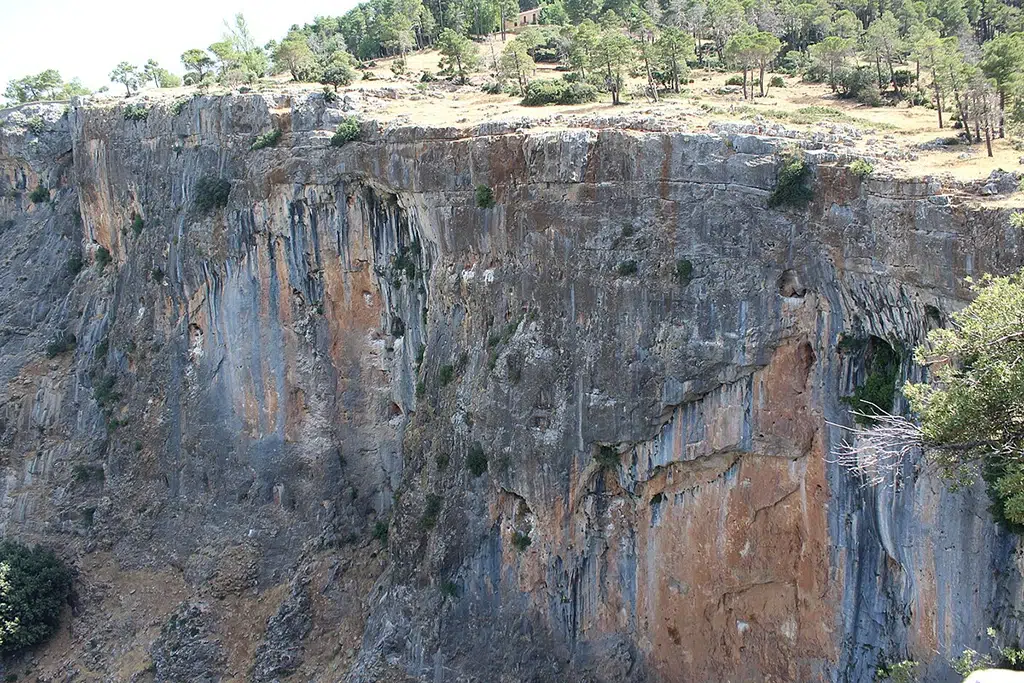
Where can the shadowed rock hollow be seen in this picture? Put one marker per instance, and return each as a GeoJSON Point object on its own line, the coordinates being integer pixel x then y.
{"type": "Point", "coordinates": [349, 425]}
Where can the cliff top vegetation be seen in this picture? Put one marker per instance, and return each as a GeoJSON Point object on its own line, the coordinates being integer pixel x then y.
{"type": "Point", "coordinates": [927, 86]}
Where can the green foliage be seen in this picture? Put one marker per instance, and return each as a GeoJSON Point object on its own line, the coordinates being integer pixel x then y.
{"type": "Point", "coordinates": [339, 70]}
{"type": "Point", "coordinates": [777, 82]}
{"type": "Point", "coordinates": [878, 391]}
{"type": "Point", "coordinates": [446, 374]}
{"type": "Point", "coordinates": [898, 672]}
{"type": "Point", "coordinates": [542, 92]}
{"type": "Point", "coordinates": [734, 80]}
{"type": "Point", "coordinates": [970, 661]}
{"type": "Point", "coordinates": [684, 272]}
{"type": "Point", "coordinates": [46, 85]}
{"type": "Point", "coordinates": [268, 139]}
{"type": "Point", "coordinates": [607, 458]}
{"type": "Point", "coordinates": [137, 224]}
{"type": "Point", "coordinates": [971, 410]}
{"type": "Point", "coordinates": [484, 197]}
{"type": "Point", "coordinates": [476, 460]}
{"type": "Point", "coordinates": [103, 257]}
{"type": "Point", "coordinates": [36, 125]}
{"type": "Point", "coordinates": [449, 589]}
{"type": "Point", "coordinates": [861, 168]}
{"type": "Point", "coordinates": [84, 474]}
{"type": "Point", "coordinates": [521, 541]}
{"type": "Point", "coordinates": [104, 392]}
{"type": "Point", "coordinates": [157, 275]}
{"type": "Point", "coordinates": [34, 587]}
{"type": "Point", "coordinates": [380, 531]}
{"type": "Point", "coordinates": [159, 76]}
{"type": "Point", "coordinates": [626, 268]}
{"type": "Point", "coordinates": [792, 186]}
{"type": "Point", "coordinates": [74, 264]}
{"type": "Point", "coordinates": [431, 511]}
{"type": "Point", "coordinates": [136, 112]}
{"type": "Point", "coordinates": [211, 193]}
{"type": "Point", "coordinates": [128, 75]}
{"type": "Point", "coordinates": [347, 131]}
{"type": "Point", "coordinates": [40, 195]}
{"type": "Point", "coordinates": [63, 343]}
{"type": "Point", "coordinates": [459, 56]}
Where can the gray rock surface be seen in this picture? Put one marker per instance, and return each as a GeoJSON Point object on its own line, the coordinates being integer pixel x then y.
{"type": "Point", "coordinates": [593, 419]}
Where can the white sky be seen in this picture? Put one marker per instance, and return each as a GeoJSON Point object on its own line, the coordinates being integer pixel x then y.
{"type": "Point", "coordinates": [87, 38]}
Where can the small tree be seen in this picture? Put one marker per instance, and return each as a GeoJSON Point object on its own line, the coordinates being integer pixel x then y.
{"type": "Point", "coordinates": [930, 51]}
{"type": "Point", "coordinates": [339, 70]}
{"type": "Point", "coordinates": [159, 76]}
{"type": "Point", "coordinates": [459, 54]}
{"type": "Point", "coordinates": [517, 65]}
{"type": "Point", "coordinates": [674, 47]}
{"type": "Point", "coordinates": [882, 41]}
{"type": "Point", "coordinates": [294, 56]}
{"type": "Point", "coordinates": [1003, 61]}
{"type": "Point", "coordinates": [740, 53]}
{"type": "Point", "coordinates": [970, 409]}
{"type": "Point", "coordinates": [614, 55]}
{"type": "Point", "coordinates": [197, 64]}
{"type": "Point", "coordinates": [765, 48]}
{"type": "Point", "coordinates": [583, 40]}
{"type": "Point", "coordinates": [832, 54]}
{"type": "Point", "coordinates": [127, 75]}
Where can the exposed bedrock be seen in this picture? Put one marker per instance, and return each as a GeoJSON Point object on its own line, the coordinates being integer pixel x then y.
{"type": "Point", "coordinates": [350, 425]}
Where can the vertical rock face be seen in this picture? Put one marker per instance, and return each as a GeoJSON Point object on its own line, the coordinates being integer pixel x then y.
{"type": "Point", "coordinates": [356, 426]}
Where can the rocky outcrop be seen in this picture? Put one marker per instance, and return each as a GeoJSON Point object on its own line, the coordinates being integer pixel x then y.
{"type": "Point", "coordinates": [379, 431]}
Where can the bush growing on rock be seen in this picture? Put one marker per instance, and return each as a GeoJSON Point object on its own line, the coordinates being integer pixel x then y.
{"type": "Point", "coordinates": [431, 511]}
{"type": "Point", "coordinates": [136, 112]}
{"type": "Point", "coordinates": [103, 257]}
{"type": "Point", "coordinates": [791, 188]}
{"type": "Point", "coordinates": [40, 195]}
{"type": "Point", "coordinates": [36, 125]}
{"type": "Point", "coordinates": [347, 132]}
{"type": "Point", "coordinates": [484, 197]}
{"type": "Point", "coordinates": [861, 168]}
{"type": "Point", "coordinates": [211, 193]}
{"type": "Point", "coordinates": [521, 541]}
{"type": "Point", "coordinates": [476, 461]}
{"type": "Point", "coordinates": [268, 139]}
{"type": "Point", "coordinates": [34, 587]}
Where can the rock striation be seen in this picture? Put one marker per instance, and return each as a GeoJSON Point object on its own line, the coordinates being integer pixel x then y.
{"type": "Point", "coordinates": [324, 416]}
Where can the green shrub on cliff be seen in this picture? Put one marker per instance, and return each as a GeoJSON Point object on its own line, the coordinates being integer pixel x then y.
{"type": "Point", "coordinates": [268, 139]}
{"type": "Point", "coordinates": [136, 112]}
{"type": "Point", "coordinates": [103, 257]}
{"type": "Point", "coordinates": [861, 168]}
{"type": "Point", "coordinates": [476, 461]}
{"type": "Point", "coordinates": [211, 193]}
{"type": "Point", "coordinates": [876, 394]}
{"type": "Point", "coordinates": [348, 131]}
{"type": "Point", "coordinates": [34, 587]}
{"type": "Point", "coordinates": [40, 195]}
{"type": "Point", "coordinates": [484, 197]}
{"type": "Point", "coordinates": [792, 188]}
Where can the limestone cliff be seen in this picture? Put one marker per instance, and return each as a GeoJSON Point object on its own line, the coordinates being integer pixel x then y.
{"type": "Point", "coordinates": [351, 425]}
